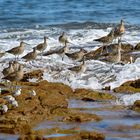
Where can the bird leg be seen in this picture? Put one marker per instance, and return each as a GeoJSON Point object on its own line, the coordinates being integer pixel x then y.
{"type": "Point", "coordinates": [62, 57]}
{"type": "Point", "coordinates": [15, 58]}
{"type": "Point", "coordinates": [41, 55]}
{"type": "Point", "coordinates": [106, 49]}
{"type": "Point", "coordinates": [11, 86]}
{"type": "Point", "coordinates": [16, 85]}
{"type": "Point", "coordinates": [102, 49]}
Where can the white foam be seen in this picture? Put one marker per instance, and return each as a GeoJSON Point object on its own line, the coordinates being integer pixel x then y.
{"type": "Point", "coordinates": [97, 75]}
{"type": "Point", "coordinates": [128, 100]}
{"type": "Point", "coordinates": [128, 72]}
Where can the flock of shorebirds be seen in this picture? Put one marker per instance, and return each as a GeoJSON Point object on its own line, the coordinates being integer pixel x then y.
{"type": "Point", "coordinates": [14, 72]}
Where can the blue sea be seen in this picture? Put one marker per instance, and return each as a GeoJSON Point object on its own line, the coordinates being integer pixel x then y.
{"type": "Point", "coordinates": [30, 13]}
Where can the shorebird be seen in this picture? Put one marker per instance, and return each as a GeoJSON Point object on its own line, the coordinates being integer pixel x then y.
{"type": "Point", "coordinates": [119, 30]}
{"type": "Point", "coordinates": [16, 75]}
{"type": "Point", "coordinates": [115, 58]}
{"type": "Point", "coordinates": [60, 51]}
{"type": "Point", "coordinates": [16, 65]}
{"type": "Point", "coordinates": [17, 50]}
{"type": "Point", "coordinates": [2, 54]}
{"type": "Point", "coordinates": [80, 68]}
{"type": "Point", "coordinates": [77, 55]}
{"type": "Point", "coordinates": [30, 56]}
{"type": "Point", "coordinates": [63, 50]}
{"type": "Point", "coordinates": [42, 46]}
{"type": "Point", "coordinates": [63, 39]}
{"type": "Point", "coordinates": [131, 59]}
{"type": "Point", "coordinates": [8, 70]}
{"type": "Point", "coordinates": [106, 40]}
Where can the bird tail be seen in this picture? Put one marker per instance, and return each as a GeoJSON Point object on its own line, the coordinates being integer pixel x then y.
{"type": "Point", "coordinates": [67, 54]}
{"type": "Point", "coordinates": [96, 40]}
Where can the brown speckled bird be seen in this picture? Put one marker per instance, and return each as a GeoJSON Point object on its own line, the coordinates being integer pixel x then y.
{"type": "Point", "coordinates": [30, 56]}
{"type": "Point", "coordinates": [77, 55]}
{"type": "Point", "coordinates": [42, 46]}
{"type": "Point", "coordinates": [8, 70]}
{"type": "Point", "coordinates": [17, 50]}
{"type": "Point", "coordinates": [106, 40]}
{"type": "Point", "coordinates": [119, 30]}
{"type": "Point", "coordinates": [63, 38]}
{"type": "Point", "coordinates": [16, 75]}
{"type": "Point", "coordinates": [79, 68]}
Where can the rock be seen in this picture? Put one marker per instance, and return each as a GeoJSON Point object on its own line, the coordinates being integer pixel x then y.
{"type": "Point", "coordinates": [107, 88]}
{"type": "Point", "coordinates": [92, 95]}
{"type": "Point", "coordinates": [83, 135]}
{"type": "Point", "coordinates": [50, 96]}
{"type": "Point", "coordinates": [50, 102]}
{"type": "Point", "coordinates": [129, 87]}
{"type": "Point", "coordinates": [81, 117]}
{"type": "Point", "coordinates": [92, 135]}
{"type": "Point", "coordinates": [136, 106]}
{"type": "Point", "coordinates": [88, 99]}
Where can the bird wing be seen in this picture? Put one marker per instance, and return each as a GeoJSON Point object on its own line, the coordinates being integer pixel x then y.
{"type": "Point", "coordinates": [59, 51]}
{"type": "Point", "coordinates": [75, 68]}
{"type": "Point", "coordinates": [16, 49]}
{"type": "Point", "coordinates": [39, 46]}
{"type": "Point", "coordinates": [102, 39]}
{"type": "Point", "coordinates": [72, 55]}
{"type": "Point", "coordinates": [27, 56]}
{"type": "Point", "coordinates": [10, 76]}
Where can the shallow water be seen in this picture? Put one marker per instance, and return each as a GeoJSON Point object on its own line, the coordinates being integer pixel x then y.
{"type": "Point", "coordinates": [115, 123]}
{"type": "Point", "coordinates": [8, 137]}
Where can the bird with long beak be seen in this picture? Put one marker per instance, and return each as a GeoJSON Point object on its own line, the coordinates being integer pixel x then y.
{"type": "Point", "coordinates": [63, 38]}
{"type": "Point", "coordinates": [77, 55]}
{"type": "Point", "coordinates": [17, 50]}
{"type": "Point", "coordinates": [79, 68]}
{"type": "Point", "coordinates": [106, 40]}
{"type": "Point", "coordinates": [42, 46]}
{"type": "Point", "coordinates": [8, 70]}
{"type": "Point", "coordinates": [115, 58]}
{"type": "Point", "coordinates": [16, 75]}
{"type": "Point", "coordinates": [119, 30]}
{"type": "Point", "coordinates": [30, 56]}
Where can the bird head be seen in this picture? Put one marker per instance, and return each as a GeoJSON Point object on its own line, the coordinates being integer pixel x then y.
{"type": "Point", "coordinates": [83, 50]}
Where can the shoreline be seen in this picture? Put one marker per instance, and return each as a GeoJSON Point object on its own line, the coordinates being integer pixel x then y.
{"type": "Point", "coordinates": [45, 105]}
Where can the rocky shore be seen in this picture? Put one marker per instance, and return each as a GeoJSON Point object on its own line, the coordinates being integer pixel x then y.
{"type": "Point", "coordinates": [51, 102]}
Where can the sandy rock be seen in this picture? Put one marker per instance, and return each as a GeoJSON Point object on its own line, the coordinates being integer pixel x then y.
{"type": "Point", "coordinates": [129, 87]}
{"type": "Point", "coordinates": [92, 135]}
{"type": "Point", "coordinates": [136, 106]}
{"type": "Point", "coordinates": [81, 117]}
{"type": "Point", "coordinates": [92, 95]}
